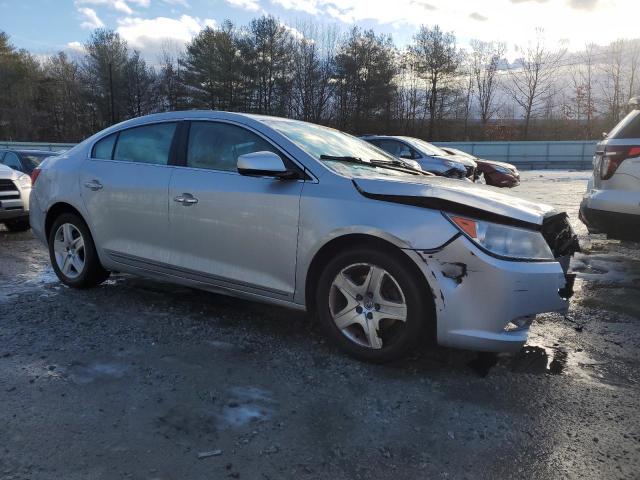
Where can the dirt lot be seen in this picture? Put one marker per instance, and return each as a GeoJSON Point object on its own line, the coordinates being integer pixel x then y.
{"type": "Point", "coordinates": [139, 379]}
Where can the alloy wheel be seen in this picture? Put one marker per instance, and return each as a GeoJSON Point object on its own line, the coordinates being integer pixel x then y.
{"type": "Point", "coordinates": [69, 251]}
{"type": "Point", "coordinates": [367, 305]}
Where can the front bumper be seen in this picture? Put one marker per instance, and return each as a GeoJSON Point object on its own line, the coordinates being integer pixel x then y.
{"type": "Point", "coordinates": [477, 296]}
{"type": "Point", "coordinates": [503, 180]}
{"type": "Point", "coordinates": [14, 204]}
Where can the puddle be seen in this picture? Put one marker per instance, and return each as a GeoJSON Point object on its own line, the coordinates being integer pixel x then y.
{"type": "Point", "coordinates": [42, 278]}
{"type": "Point", "coordinates": [538, 360]}
{"type": "Point", "coordinates": [246, 405]}
{"type": "Point", "coordinates": [83, 374]}
{"type": "Point", "coordinates": [530, 359]}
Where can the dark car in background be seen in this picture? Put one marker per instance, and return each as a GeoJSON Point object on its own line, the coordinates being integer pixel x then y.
{"type": "Point", "coordinates": [24, 161]}
{"type": "Point", "coordinates": [496, 174]}
{"type": "Point", "coordinates": [431, 158]}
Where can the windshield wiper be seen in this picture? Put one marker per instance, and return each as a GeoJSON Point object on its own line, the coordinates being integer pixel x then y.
{"type": "Point", "coordinates": [396, 165]}
{"type": "Point", "coordinates": [344, 158]}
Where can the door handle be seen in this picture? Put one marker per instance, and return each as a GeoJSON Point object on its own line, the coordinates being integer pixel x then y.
{"type": "Point", "coordinates": [93, 185]}
{"type": "Point", "coordinates": [186, 199]}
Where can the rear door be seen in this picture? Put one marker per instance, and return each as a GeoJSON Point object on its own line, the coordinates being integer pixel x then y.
{"type": "Point", "coordinates": [124, 187]}
{"type": "Point", "coordinates": [235, 231]}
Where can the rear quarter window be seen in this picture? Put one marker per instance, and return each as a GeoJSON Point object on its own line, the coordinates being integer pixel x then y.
{"type": "Point", "coordinates": [145, 144]}
{"type": "Point", "coordinates": [104, 148]}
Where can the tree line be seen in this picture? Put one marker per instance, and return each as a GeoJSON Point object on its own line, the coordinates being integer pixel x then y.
{"type": "Point", "coordinates": [357, 81]}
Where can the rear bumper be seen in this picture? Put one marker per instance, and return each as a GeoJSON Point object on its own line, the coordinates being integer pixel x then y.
{"type": "Point", "coordinates": [614, 224]}
{"type": "Point", "coordinates": [485, 303]}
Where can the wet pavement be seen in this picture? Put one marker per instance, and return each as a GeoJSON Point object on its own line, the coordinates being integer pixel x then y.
{"type": "Point", "coordinates": [140, 379]}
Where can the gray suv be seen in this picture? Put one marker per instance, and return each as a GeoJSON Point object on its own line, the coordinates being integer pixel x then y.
{"type": "Point", "coordinates": [15, 188]}
{"type": "Point", "coordinates": [307, 217]}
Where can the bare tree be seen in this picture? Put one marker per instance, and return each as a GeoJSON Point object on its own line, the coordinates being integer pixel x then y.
{"type": "Point", "coordinates": [437, 61]}
{"type": "Point", "coordinates": [612, 83]}
{"type": "Point", "coordinates": [485, 60]}
{"type": "Point", "coordinates": [531, 81]}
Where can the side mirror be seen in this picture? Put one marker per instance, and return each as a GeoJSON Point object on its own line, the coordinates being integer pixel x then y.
{"type": "Point", "coordinates": [604, 134]}
{"type": "Point", "coordinates": [264, 164]}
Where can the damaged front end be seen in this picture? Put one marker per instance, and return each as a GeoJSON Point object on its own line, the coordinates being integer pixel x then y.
{"type": "Point", "coordinates": [487, 300]}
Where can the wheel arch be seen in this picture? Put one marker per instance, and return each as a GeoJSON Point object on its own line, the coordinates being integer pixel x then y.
{"type": "Point", "coordinates": [353, 240]}
{"type": "Point", "coordinates": [58, 209]}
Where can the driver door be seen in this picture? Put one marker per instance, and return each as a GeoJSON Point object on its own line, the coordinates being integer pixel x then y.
{"type": "Point", "coordinates": [238, 232]}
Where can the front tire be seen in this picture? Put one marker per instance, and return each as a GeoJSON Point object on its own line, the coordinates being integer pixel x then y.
{"type": "Point", "coordinates": [17, 224]}
{"type": "Point", "coordinates": [73, 254]}
{"type": "Point", "coordinates": [372, 305]}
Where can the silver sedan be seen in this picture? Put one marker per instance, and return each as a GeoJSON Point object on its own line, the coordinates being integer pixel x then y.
{"type": "Point", "coordinates": [304, 216]}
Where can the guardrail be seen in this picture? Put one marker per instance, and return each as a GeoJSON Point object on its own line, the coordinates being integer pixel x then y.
{"type": "Point", "coordinates": [51, 147]}
{"type": "Point", "coordinates": [575, 155]}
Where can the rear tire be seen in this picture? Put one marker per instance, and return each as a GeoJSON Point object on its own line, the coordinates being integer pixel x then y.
{"type": "Point", "coordinates": [73, 254]}
{"type": "Point", "coordinates": [358, 289]}
{"type": "Point", "coordinates": [17, 224]}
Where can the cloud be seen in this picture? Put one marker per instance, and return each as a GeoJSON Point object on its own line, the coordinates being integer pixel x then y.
{"type": "Point", "coordinates": [150, 34]}
{"type": "Point", "coordinates": [91, 19]}
{"type": "Point", "coordinates": [182, 3]}
{"type": "Point", "coordinates": [251, 5]}
{"type": "Point", "coordinates": [478, 16]}
{"type": "Point", "coordinates": [583, 4]}
{"type": "Point", "coordinates": [307, 6]}
{"type": "Point", "coordinates": [119, 5]}
{"type": "Point", "coordinates": [76, 47]}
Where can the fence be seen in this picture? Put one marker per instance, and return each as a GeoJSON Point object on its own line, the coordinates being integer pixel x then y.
{"type": "Point", "coordinates": [525, 155]}
{"type": "Point", "coordinates": [577, 155]}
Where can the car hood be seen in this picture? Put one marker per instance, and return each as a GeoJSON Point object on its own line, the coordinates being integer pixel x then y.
{"type": "Point", "coordinates": [467, 162]}
{"type": "Point", "coordinates": [454, 196]}
{"type": "Point", "coordinates": [9, 173]}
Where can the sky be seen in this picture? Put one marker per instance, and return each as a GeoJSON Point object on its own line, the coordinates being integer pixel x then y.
{"type": "Point", "coordinates": [47, 26]}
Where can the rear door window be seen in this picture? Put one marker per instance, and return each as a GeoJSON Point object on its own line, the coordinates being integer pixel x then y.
{"type": "Point", "coordinates": [146, 144]}
{"type": "Point", "coordinates": [629, 127]}
{"type": "Point", "coordinates": [217, 146]}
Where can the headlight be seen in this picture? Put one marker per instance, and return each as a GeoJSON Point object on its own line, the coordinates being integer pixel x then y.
{"type": "Point", "coordinates": [24, 181]}
{"type": "Point", "coordinates": [504, 241]}
{"type": "Point", "coordinates": [503, 170]}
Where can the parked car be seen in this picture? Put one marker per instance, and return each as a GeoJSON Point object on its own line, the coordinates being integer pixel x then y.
{"type": "Point", "coordinates": [431, 158]}
{"type": "Point", "coordinates": [496, 174]}
{"type": "Point", "coordinates": [24, 160]}
{"type": "Point", "coordinates": [307, 217]}
{"type": "Point", "coordinates": [612, 201]}
{"type": "Point", "coordinates": [15, 188]}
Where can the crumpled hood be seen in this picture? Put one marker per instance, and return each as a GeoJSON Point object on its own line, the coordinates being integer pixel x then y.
{"type": "Point", "coordinates": [455, 193]}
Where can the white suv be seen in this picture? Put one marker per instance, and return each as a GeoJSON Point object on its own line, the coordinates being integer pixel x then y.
{"type": "Point", "coordinates": [612, 202]}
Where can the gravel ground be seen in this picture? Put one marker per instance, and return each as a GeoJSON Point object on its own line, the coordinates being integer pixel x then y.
{"type": "Point", "coordinates": [144, 380]}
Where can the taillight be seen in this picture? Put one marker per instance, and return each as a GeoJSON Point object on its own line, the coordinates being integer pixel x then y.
{"type": "Point", "coordinates": [34, 176]}
{"type": "Point", "coordinates": [613, 156]}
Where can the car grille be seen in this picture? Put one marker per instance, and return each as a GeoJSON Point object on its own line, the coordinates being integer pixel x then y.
{"type": "Point", "coordinates": [7, 186]}
{"type": "Point", "coordinates": [559, 235]}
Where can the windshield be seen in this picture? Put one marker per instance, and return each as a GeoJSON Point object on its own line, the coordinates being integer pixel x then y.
{"type": "Point", "coordinates": [424, 147]}
{"type": "Point", "coordinates": [320, 141]}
